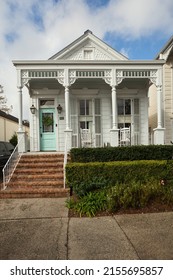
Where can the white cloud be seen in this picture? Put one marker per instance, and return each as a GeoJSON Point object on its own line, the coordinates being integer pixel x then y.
{"type": "Point", "coordinates": [36, 29]}
{"type": "Point", "coordinates": [135, 18]}
{"type": "Point", "coordinates": [125, 52]}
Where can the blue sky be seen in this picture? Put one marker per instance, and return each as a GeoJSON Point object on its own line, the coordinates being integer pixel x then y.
{"type": "Point", "coordinates": [37, 29]}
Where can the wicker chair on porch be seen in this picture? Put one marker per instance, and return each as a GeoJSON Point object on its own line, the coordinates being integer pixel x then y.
{"type": "Point", "coordinates": [125, 136]}
{"type": "Point", "coordinates": [86, 138]}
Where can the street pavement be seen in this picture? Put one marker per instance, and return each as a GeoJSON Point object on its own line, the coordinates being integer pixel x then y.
{"type": "Point", "coordinates": [40, 229]}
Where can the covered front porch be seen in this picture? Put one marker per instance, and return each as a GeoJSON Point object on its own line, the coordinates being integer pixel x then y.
{"type": "Point", "coordinates": [111, 105]}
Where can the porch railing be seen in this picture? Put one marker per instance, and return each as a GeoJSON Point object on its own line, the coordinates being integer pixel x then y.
{"type": "Point", "coordinates": [11, 164]}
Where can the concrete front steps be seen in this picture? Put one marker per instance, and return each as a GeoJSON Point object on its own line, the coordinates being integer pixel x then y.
{"type": "Point", "coordinates": [37, 175]}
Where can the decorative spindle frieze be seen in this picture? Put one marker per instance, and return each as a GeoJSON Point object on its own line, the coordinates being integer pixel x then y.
{"type": "Point", "coordinates": [150, 74]}
{"type": "Point", "coordinates": [106, 75]}
{"type": "Point", "coordinates": [93, 74]}
{"type": "Point", "coordinates": [27, 75]}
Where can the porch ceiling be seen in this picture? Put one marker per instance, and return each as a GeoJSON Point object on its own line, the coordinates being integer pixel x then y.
{"type": "Point", "coordinates": [45, 83]}
{"type": "Point", "coordinates": [134, 83]}
{"type": "Point", "coordinates": [90, 84]}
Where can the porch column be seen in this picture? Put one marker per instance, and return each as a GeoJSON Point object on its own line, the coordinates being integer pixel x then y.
{"type": "Point", "coordinates": [20, 103]}
{"type": "Point", "coordinates": [67, 107]}
{"type": "Point", "coordinates": [114, 130]}
{"type": "Point", "coordinates": [159, 131]}
{"type": "Point", "coordinates": [114, 108]}
{"type": "Point", "coordinates": [68, 131]}
{"type": "Point", "coordinates": [159, 106]}
{"type": "Point", "coordinates": [21, 134]}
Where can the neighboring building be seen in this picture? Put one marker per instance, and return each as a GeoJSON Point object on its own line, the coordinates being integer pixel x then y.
{"type": "Point", "coordinates": [167, 98]}
{"type": "Point", "coordinates": [89, 85]}
{"type": "Point", "coordinates": [9, 126]}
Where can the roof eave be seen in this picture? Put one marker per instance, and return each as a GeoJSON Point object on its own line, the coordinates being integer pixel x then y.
{"type": "Point", "coordinates": [86, 62]}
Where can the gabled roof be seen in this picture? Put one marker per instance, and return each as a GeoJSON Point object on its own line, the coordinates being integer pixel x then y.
{"type": "Point", "coordinates": [88, 44]}
{"type": "Point", "coordinates": [166, 50]}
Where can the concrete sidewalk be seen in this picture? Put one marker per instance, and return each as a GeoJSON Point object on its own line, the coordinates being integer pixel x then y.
{"type": "Point", "coordinates": [40, 229]}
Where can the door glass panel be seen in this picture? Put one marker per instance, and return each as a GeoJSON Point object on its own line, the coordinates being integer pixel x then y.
{"type": "Point", "coordinates": [124, 106]}
{"type": "Point", "coordinates": [47, 122]}
{"type": "Point", "coordinates": [46, 102]}
{"type": "Point", "coordinates": [120, 103]}
{"type": "Point", "coordinates": [82, 107]}
{"type": "Point", "coordinates": [127, 107]}
{"type": "Point", "coordinates": [85, 125]}
{"type": "Point", "coordinates": [85, 107]}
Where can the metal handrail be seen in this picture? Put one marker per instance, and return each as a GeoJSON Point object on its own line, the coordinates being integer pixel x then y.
{"type": "Point", "coordinates": [11, 164]}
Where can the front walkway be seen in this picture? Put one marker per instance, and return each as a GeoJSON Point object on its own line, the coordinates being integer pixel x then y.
{"type": "Point", "coordinates": [39, 228]}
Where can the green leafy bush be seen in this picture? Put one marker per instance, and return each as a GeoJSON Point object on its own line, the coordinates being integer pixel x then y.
{"type": "Point", "coordinates": [90, 204]}
{"type": "Point", "coordinates": [13, 140]}
{"type": "Point", "coordinates": [148, 152]}
{"type": "Point", "coordinates": [122, 196]}
{"type": "Point", "coordinates": [135, 195]}
{"type": "Point", "coordinates": [86, 177]}
{"type": "Point", "coordinates": [84, 187]}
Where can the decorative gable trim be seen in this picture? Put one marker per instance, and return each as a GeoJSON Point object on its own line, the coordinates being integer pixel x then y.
{"type": "Point", "coordinates": [88, 47]}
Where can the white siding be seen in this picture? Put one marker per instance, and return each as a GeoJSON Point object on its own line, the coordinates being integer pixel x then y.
{"type": "Point", "coordinates": [61, 121]}
{"type": "Point", "coordinates": [34, 125]}
{"type": "Point", "coordinates": [167, 100]}
{"type": "Point", "coordinates": [152, 107]}
{"type": "Point", "coordinates": [144, 120]}
{"type": "Point", "coordinates": [106, 111]}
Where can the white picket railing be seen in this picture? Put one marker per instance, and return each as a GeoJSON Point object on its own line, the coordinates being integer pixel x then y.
{"type": "Point", "coordinates": [11, 164]}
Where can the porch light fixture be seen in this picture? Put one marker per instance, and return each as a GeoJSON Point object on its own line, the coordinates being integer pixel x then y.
{"type": "Point", "coordinates": [59, 108]}
{"type": "Point", "coordinates": [32, 109]}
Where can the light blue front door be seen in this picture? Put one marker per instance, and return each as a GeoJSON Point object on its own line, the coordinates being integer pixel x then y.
{"type": "Point", "coordinates": [47, 130]}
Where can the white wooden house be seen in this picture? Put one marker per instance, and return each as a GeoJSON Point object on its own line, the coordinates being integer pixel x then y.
{"type": "Point", "coordinates": [89, 85]}
{"type": "Point", "coordinates": [166, 53]}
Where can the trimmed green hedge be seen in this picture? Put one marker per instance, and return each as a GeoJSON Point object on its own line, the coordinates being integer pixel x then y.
{"type": "Point", "coordinates": [150, 152]}
{"type": "Point", "coordinates": [86, 177]}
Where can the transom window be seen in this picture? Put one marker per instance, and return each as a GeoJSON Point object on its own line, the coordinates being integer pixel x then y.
{"type": "Point", "coordinates": [46, 102]}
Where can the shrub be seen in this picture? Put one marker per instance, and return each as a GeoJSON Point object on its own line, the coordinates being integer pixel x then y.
{"type": "Point", "coordinates": [90, 204]}
{"type": "Point", "coordinates": [122, 196]}
{"type": "Point", "coordinates": [84, 187]}
{"type": "Point", "coordinates": [13, 140]}
{"type": "Point", "coordinates": [148, 152]}
{"type": "Point", "coordinates": [85, 177]}
{"type": "Point", "coordinates": [136, 195]}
